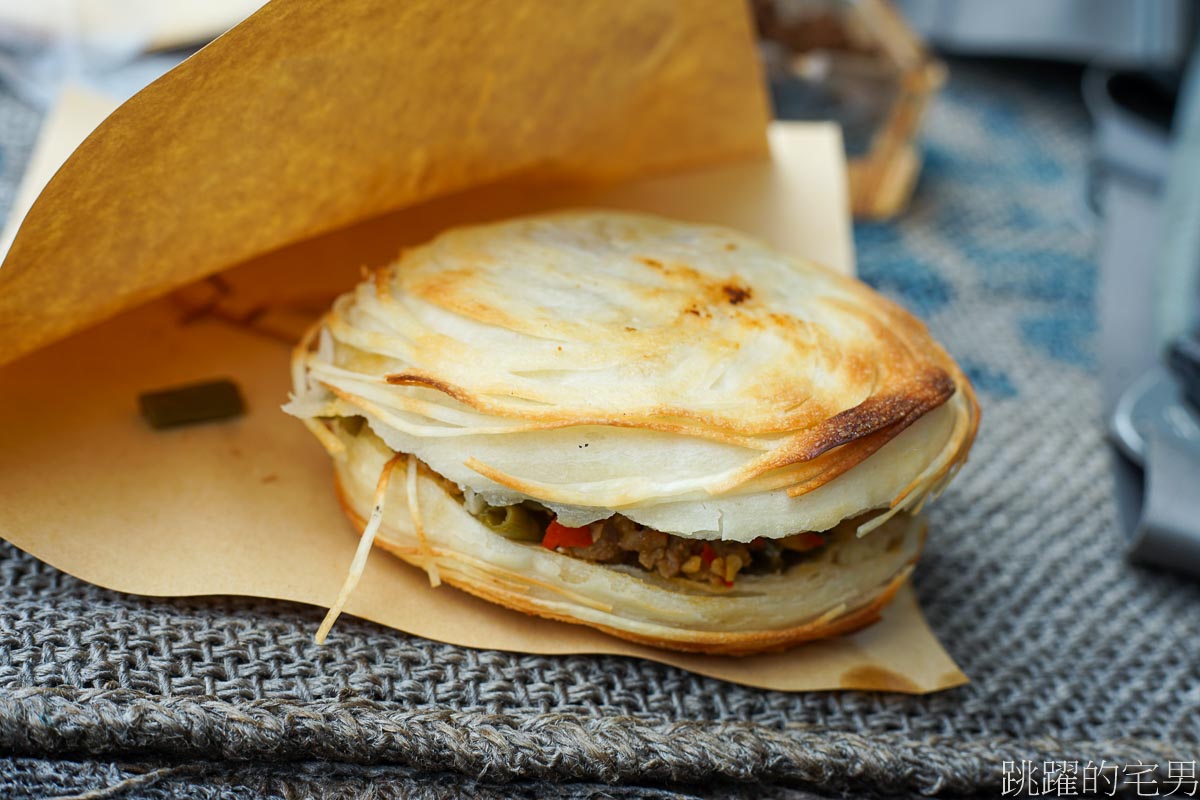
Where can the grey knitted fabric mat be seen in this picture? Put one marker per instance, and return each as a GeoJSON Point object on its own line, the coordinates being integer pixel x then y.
{"type": "Point", "coordinates": [1073, 654]}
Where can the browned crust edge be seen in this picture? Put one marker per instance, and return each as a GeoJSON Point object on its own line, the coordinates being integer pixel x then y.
{"type": "Point", "coordinates": [741, 643]}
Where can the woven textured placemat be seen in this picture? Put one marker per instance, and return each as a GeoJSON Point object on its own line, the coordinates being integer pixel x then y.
{"type": "Point", "coordinates": [1073, 654]}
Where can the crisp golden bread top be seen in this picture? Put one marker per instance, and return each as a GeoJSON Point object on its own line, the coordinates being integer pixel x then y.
{"type": "Point", "coordinates": [690, 362]}
{"type": "Point", "coordinates": [630, 319]}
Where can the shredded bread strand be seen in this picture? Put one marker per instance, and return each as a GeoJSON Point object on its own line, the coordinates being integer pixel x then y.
{"type": "Point", "coordinates": [301, 387]}
{"type": "Point", "coordinates": [414, 511]}
{"type": "Point", "coordinates": [365, 543]}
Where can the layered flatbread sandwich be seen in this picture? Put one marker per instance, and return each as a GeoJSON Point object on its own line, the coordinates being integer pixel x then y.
{"type": "Point", "coordinates": [666, 431]}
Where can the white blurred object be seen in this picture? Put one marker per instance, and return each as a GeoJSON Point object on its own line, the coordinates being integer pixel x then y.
{"type": "Point", "coordinates": [102, 43]}
{"type": "Point", "coordinates": [75, 115]}
{"type": "Point", "coordinates": [156, 24]}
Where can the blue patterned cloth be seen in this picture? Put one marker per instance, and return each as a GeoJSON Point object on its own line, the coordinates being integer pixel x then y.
{"type": "Point", "coordinates": [998, 218]}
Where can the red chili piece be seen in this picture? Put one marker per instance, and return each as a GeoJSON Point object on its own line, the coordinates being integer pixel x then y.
{"type": "Point", "coordinates": [561, 536]}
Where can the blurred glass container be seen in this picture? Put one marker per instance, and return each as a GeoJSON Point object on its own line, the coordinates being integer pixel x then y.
{"type": "Point", "coordinates": [857, 63]}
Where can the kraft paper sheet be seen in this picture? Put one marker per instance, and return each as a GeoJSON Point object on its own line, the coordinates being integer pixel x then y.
{"type": "Point", "coordinates": [256, 160]}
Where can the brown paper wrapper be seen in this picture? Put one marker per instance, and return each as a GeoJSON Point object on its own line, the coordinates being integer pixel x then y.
{"type": "Point", "coordinates": [246, 507]}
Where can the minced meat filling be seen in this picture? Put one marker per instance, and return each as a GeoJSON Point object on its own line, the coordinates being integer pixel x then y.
{"type": "Point", "coordinates": [619, 540]}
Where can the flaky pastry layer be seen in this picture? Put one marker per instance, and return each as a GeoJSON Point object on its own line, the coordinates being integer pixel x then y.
{"type": "Point", "coordinates": [685, 376]}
